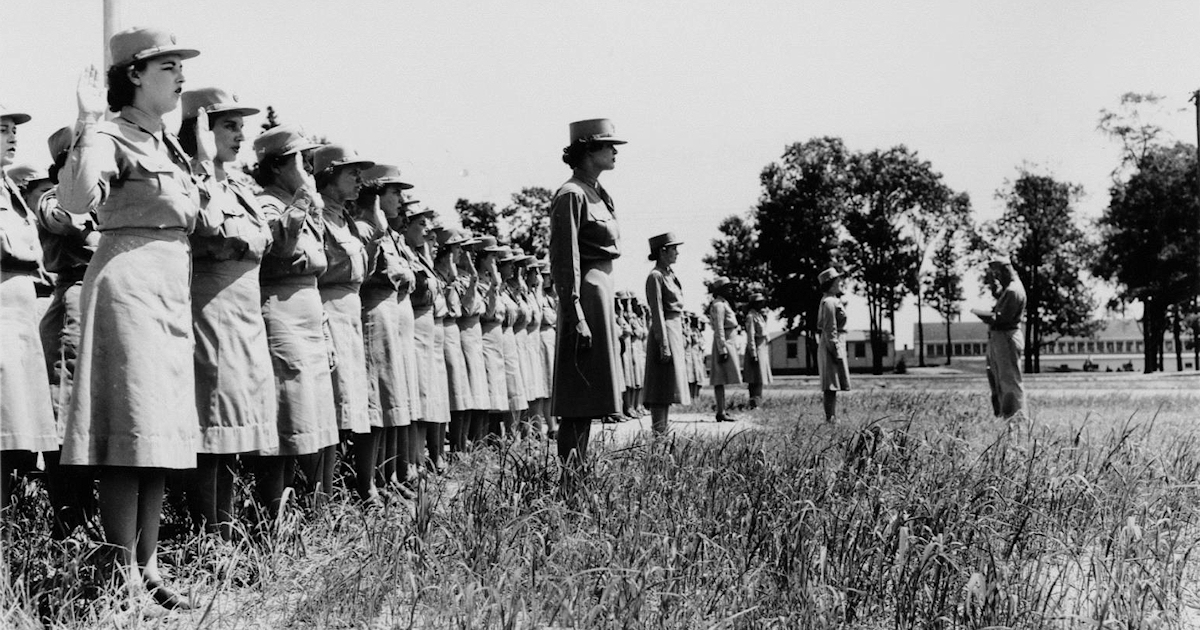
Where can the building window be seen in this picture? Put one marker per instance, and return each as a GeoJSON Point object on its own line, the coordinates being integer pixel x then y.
{"type": "Point", "coordinates": [958, 351]}
{"type": "Point", "coordinates": [1137, 346]}
{"type": "Point", "coordinates": [860, 350]}
{"type": "Point", "coordinates": [793, 350]}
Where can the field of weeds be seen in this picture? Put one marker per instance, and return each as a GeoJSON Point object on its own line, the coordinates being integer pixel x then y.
{"type": "Point", "coordinates": [918, 510]}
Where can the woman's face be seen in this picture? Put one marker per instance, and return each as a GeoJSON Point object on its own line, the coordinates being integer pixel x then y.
{"type": "Point", "coordinates": [533, 277]}
{"type": "Point", "coordinates": [227, 128]}
{"type": "Point", "coordinates": [159, 85]}
{"type": "Point", "coordinates": [506, 270]}
{"type": "Point", "coordinates": [346, 183]}
{"type": "Point", "coordinates": [418, 227]}
{"type": "Point", "coordinates": [8, 141]}
{"type": "Point", "coordinates": [293, 174]}
{"type": "Point", "coordinates": [669, 254]}
{"type": "Point", "coordinates": [389, 201]}
{"type": "Point", "coordinates": [604, 158]}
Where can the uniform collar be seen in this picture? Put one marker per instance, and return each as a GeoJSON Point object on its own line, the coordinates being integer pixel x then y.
{"type": "Point", "coordinates": [150, 124]}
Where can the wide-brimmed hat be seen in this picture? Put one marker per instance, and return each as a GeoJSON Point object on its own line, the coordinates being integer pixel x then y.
{"type": "Point", "coordinates": [447, 237]}
{"type": "Point", "coordinates": [661, 241]}
{"type": "Point", "coordinates": [334, 155]}
{"type": "Point", "coordinates": [486, 243]}
{"type": "Point", "coordinates": [281, 140]}
{"type": "Point", "coordinates": [24, 174]}
{"type": "Point", "coordinates": [827, 275]}
{"type": "Point", "coordinates": [718, 283]}
{"type": "Point", "coordinates": [411, 211]}
{"type": "Point", "coordinates": [18, 118]}
{"type": "Point", "coordinates": [382, 175]}
{"type": "Point", "coordinates": [59, 142]}
{"type": "Point", "coordinates": [594, 130]}
{"type": "Point", "coordinates": [140, 43]}
{"type": "Point", "coordinates": [756, 298]}
{"type": "Point", "coordinates": [214, 101]}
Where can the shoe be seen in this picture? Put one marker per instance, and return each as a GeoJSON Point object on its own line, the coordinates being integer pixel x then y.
{"type": "Point", "coordinates": [168, 598]}
{"type": "Point", "coordinates": [613, 419]}
{"type": "Point", "coordinates": [726, 418]}
{"type": "Point", "coordinates": [406, 492]}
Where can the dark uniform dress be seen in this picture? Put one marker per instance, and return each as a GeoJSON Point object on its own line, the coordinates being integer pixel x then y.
{"type": "Point", "coordinates": [134, 401]}
{"type": "Point", "coordinates": [666, 381]}
{"type": "Point", "coordinates": [724, 323]}
{"type": "Point", "coordinates": [26, 413]}
{"type": "Point", "coordinates": [291, 307]}
{"type": "Point", "coordinates": [387, 332]}
{"type": "Point", "coordinates": [235, 388]}
{"type": "Point", "coordinates": [583, 245]}
{"type": "Point", "coordinates": [758, 355]}
{"type": "Point", "coordinates": [68, 243]}
{"type": "Point", "coordinates": [339, 285]}
{"type": "Point", "coordinates": [831, 345]}
{"type": "Point", "coordinates": [1006, 344]}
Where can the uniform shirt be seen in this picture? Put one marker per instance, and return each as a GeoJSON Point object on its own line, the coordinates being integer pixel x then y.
{"type": "Point", "coordinates": [297, 238]}
{"type": "Point", "coordinates": [20, 249]}
{"type": "Point", "coordinates": [665, 297]}
{"type": "Point", "coordinates": [549, 311]}
{"type": "Point", "coordinates": [1009, 311]}
{"type": "Point", "coordinates": [494, 309]}
{"type": "Point", "coordinates": [386, 265]}
{"type": "Point", "coordinates": [831, 320]}
{"type": "Point", "coordinates": [231, 226]}
{"type": "Point", "coordinates": [68, 240]}
{"type": "Point", "coordinates": [473, 299]}
{"type": "Point", "coordinates": [131, 174]}
{"type": "Point", "coordinates": [755, 334]}
{"type": "Point", "coordinates": [583, 228]}
{"type": "Point", "coordinates": [453, 291]}
{"type": "Point", "coordinates": [723, 322]}
{"type": "Point", "coordinates": [344, 248]}
{"type": "Point", "coordinates": [425, 282]}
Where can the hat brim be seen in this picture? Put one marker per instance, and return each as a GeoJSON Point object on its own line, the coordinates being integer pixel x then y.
{"type": "Point", "coordinates": [17, 117]}
{"type": "Point", "coordinates": [392, 181]}
{"type": "Point", "coordinates": [152, 53]}
{"type": "Point", "coordinates": [221, 110]}
{"type": "Point", "coordinates": [412, 214]}
{"type": "Point", "coordinates": [365, 164]}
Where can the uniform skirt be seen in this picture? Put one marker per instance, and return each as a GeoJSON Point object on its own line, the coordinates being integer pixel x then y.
{"type": "Point", "coordinates": [59, 330]}
{"type": "Point", "coordinates": [729, 371]}
{"type": "Point", "coordinates": [514, 379]}
{"type": "Point", "coordinates": [458, 379]}
{"type": "Point", "coordinates": [521, 336]}
{"type": "Point", "coordinates": [835, 372]}
{"type": "Point", "coordinates": [587, 381]}
{"type": "Point", "coordinates": [667, 383]}
{"type": "Point", "coordinates": [700, 370]}
{"type": "Point", "coordinates": [306, 420]}
{"type": "Point", "coordinates": [535, 384]}
{"type": "Point", "coordinates": [388, 400]}
{"type": "Point", "coordinates": [546, 340]}
{"type": "Point", "coordinates": [470, 334]}
{"type": "Point", "coordinates": [493, 360]}
{"type": "Point", "coordinates": [639, 361]}
{"type": "Point", "coordinates": [235, 389]}
{"type": "Point", "coordinates": [627, 379]}
{"type": "Point", "coordinates": [343, 308]}
{"type": "Point", "coordinates": [440, 396]}
{"type": "Point", "coordinates": [423, 336]}
{"type": "Point", "coordinates": [26, 412]}
{"type": "Point", "coordinates": [758, 364]}
{"type": "Point", "coordinates": [408, 357]}
{"type": "Point", "coordinates": [134, 402]}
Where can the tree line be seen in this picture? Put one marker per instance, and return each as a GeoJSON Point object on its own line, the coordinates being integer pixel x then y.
{"type": "Point", "coordinates": [887, 218]}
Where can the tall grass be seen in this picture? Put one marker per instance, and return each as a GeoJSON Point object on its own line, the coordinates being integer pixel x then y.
{"type": "Point", "coordinates": [918, 511]}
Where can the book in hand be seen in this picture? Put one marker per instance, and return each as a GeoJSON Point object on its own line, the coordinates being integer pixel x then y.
{"type": "Point", "coordinates": [981, 313]}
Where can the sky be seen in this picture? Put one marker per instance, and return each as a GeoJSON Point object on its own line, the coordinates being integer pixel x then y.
{"type": "Point", "coordinates": [472, 99]}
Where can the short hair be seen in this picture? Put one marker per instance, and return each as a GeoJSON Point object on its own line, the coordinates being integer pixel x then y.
{"type": "Point", "coordinates": [264, 171]}
{"type": "Point", "coordinates": [120, 88]}
{"type": "Point", "coordinates": [573, 155]}
{"type": "Point", "coordinates": [187, 131]}
{"type": "Point", "coordinates": [326, 177]}
{"type": "Point", "coordinates": [60, 161]}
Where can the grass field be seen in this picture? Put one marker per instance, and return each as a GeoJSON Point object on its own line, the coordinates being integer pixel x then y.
{"type": "Point", "coordinates": [917, 510]}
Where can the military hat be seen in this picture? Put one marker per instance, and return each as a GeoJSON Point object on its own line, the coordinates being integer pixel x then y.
{"type": "Point", "coordinates": [214, 101]}
{"type": "Point", "coordinates": [281, 140]}
{"type": "Point", "coordinates": [334, 155]}
{"type": "Point", "coordinates": [59, 142]}
{"type": "Point", "coordinates": [24, 174]}
{"type": "Point", "coordinates": [18, 118]}
{"type": "Point", "coordinates": [594, 130]}
{"type": "Point", "coordinates": [384, 174]}
{"type": "Point", "coordinates": [661, 241]}
{"type": "Point", "coordinates": [140, 43]}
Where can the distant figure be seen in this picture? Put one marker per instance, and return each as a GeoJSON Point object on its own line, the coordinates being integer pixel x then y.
{"type": "Point", "coordinates": [832, 363]}
{"type": "Point", "coordinates": [757, 370]}
{"type": "Point", "coordinates": [666, 373]}
{"type": "Point", "coordinates": [1006, 340]}
{"type": "Point", "coordinates": [726, 364]}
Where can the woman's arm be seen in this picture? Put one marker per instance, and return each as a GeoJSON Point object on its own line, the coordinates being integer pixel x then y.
{"type": "Point", "coordinates": [566, 212]}
{"type": "Point", "coordinates": [658, 324]}
{"type": "Point", "coordinates": [716, 316]}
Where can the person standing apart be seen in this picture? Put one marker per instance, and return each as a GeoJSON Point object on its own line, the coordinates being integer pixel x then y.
{"type": "Point", "coordinates": [235, 395]}
{"type": "Point", "coordinates": [726, 364]}
{"type": "Point", "coordinates": [583, 244]}
{"type": "Point", "coordinates": [832, 363]}
{"type": "Point", "coordinates": [758, 355]}
{"type": "Point", "coordinates": [133, 408]}
{"type": "Point", "coordinates": [27, 424]}
{"type": "Point", "coordinates": [666, 360]}
{"type": "Point", "coordinates": [1006, 340]}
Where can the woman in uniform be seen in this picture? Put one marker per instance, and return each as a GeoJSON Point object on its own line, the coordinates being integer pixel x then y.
{"type": "Point", "coordinates": [831, 342]}
{"type": "Point", "coordinates": [511, 295]}
{"type": "Point", "coordinates": [583, 244]}
{"type": "Point", "coordinates": [387, 319]}
{"type": "Point", "coordinates": [458, 378]}
{"type": "Point", "coordinates": [725, 360]}
{"type": "Point", "coordinates": [758, 355]}
{"type": "Point", "coordinates": [26, 415]}
{"type": "Point", "coordinates": [640, 333]}
{"type": "Point", "coordinates": [539, 388]}
{"type": "Point", "coordinates": [492, 330]}
{"type": "Point", "coordinates": [548, 332]}
{"type": "Point", "coordinates": [235, 395]}
{"type": "Point", "coordinates": [435, 430]}
{"type": "Point", "coordinates": [666, 373]}
{"type": "Point", "coordinates": [425, 287]}
{"type": "Point", "coordinates": [338, 172]}
{"type": "Point", "coordinates": [133, 409]}
{"type": "Point", "coordinates": [470, 332]}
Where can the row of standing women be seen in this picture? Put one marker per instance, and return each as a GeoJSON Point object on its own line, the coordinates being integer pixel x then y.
{"type": "Point", "coordinates": [197, 323]}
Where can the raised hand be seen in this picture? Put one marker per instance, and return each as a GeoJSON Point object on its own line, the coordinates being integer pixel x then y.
{"type": "Point", "coordinates": [206, 141]}
{"type": "Point", "coordinates": [91, 95]}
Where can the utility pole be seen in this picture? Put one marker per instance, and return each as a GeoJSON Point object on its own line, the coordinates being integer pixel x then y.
{"type": "Point", "coordinates": [112, 24]}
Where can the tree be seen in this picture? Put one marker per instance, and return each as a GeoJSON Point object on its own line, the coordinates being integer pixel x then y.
{"type": "Point", "coordinates": [271, 121]}
{"type": "Point", "coordinates": [1150, 241]}
{"type": "Point", "coordinates": [945, 288]}
{"type": "Point", "coordinates": [735, 256]}
{"type": "Point", "coordinates": [528, 220]}
{"type": "Point", "coordinates": [896, 200]}
{"type": "Point", "coordinates": [1051, 255]}
{"type": "Point", "coordinates": [478, 217]}
{"type": "Point", "coordinates": [798, 218]}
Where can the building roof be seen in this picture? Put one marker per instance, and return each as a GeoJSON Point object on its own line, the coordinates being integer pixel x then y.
{"type": "Point", "coordinates": [1111, 329]}
{"type": "Point", "coordinates": [851, 335]}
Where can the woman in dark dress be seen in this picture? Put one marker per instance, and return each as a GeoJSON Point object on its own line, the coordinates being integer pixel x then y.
{"type": "Point", "coordinates": [666, 372]}
{"type": "Point", "coordinates": [583, 244]}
